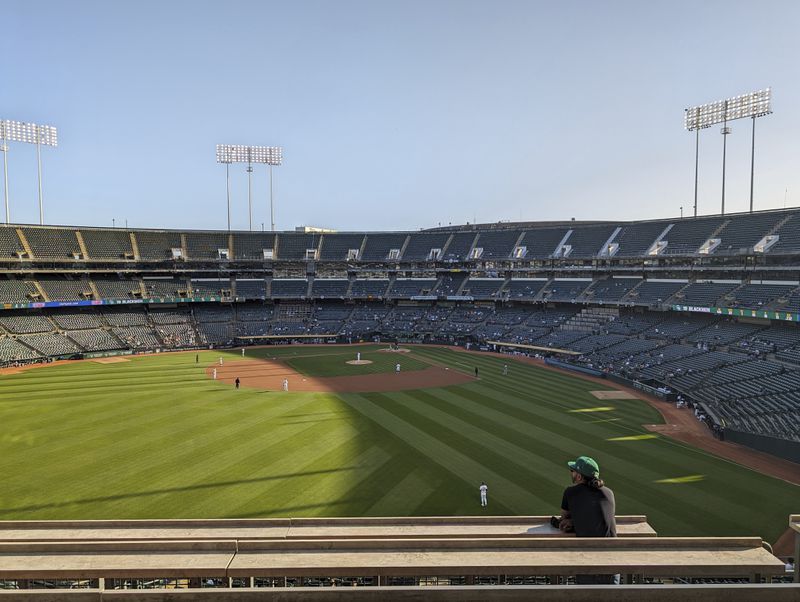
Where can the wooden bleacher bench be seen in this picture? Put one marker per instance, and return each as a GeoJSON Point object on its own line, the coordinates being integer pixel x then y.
{"type": "Point", "coordinates": [382, 558]}
{"type": "Point", "coordinates": [300, 528]}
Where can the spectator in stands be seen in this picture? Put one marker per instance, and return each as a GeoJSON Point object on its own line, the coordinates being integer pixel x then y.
{"type": "Point", "coordinates": [588, 509]}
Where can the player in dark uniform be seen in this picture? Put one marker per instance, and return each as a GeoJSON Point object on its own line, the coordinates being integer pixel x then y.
{"type": "Point", "coordinates": [237, 382]}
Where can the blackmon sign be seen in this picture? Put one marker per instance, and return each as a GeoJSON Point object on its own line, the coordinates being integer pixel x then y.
{"type": "Point", "coordinates": [736, 312]}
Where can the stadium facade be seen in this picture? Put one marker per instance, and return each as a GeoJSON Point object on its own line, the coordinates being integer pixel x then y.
{"type": "Point", "coordinates": [705, 307]}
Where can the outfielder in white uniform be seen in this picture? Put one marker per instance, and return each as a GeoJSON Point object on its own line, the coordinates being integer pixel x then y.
{"type": "Point", "coordinates": [285, 384]}
{"type": "Point", "coordinates": [484, 490]}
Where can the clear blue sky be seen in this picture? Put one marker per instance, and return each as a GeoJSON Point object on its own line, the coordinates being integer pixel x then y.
{"type": "Point", "coordinates": [394, 115]}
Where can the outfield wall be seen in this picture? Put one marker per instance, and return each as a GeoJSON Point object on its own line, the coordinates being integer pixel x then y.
{"type": "Point", "coordinates": [782, 448]}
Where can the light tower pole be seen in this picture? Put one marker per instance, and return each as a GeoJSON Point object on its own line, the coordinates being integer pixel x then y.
{"type": "Point", "coordinates": [267, 155]}
{"type": "Point", "coordinates": [753, 104]}
{"type": "Point", "coordinates": [19, 131]}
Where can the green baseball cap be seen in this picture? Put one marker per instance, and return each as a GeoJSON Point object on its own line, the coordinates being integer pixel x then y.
{"type": "Point", "coordinates": [586, 466]}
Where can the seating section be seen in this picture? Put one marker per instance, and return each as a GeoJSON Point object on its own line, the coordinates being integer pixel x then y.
{"type": "Point", "coordinates": [704, 293]}
{"type": "Point", "coordinates": [294, 246]}
{"type": "Point", "coordinates": [497, 244]}
{"type": "Point", "coordinates": [289, 288]}
{"type": "Point", "coordinates": [588, 241]}
{"type": "Point", "coordinates": [655, 292]}
{"type": "Point", "coordinates": [52, 243]}
{"type": "Point", "coordinates": [112, 287]}
{"type": "Point", "coordinates": [611, 290]}
{"type": "Point", "coordinates": [758, 296]}
{"type": "Point", "coordinates": [688, 235]}
{"type": "Point", "coordinates": [542, 242]}
{"type": "Point", "coordinates": [329, 288]}
{"type": "Point", "coordinates": [741, 233]}
{"type": "Point", "coordinates": [458, 247]}
{"type": "Point", "coordinates": [24, 323]}
{"type": "Point", "coordinates": [788, 236]}
{"type": "Point", "coordinates": [450, 284]}
{"type": "Point", "coordinates": [409, 287]}
{"type": "Point", "coordinates": [369, 288]}
{"type": "Point", "coordinates": [95, 340]}
{"type": "Point", "coordinates": [251, 289]}
{"type": "Point", "coordinates": [251, 245]}
{"type": "Point", "coordinates": [566, 290]}
{"type": "Point", "coordinates": [336, 247]}
{"type": "Point", "coordinates": [635, 240]}
{"type": "Point", "coordinates": [13, 351]}
{"type": "Point", "coordinates": [420, 245]}
{"type": "Point", "coordinates": [18, 291]}
{"type": "Point", "coordinates": [50, 344]}
{"type": "Point", "coordinates": [484, 288]}
{"type": "Point", "coordinates": [107, 244]}
{"type": "Point", "coordinates": [66, 289]}
{"type": "Point", "coordinates": [206, 245]}
{"type": "Point", "coordinates": [10, 245]}
{"type": "Point", "coordinates": [154, 245]}
{"type": "Point", "coordinates": [378, 246]}
{"type": "Point", "coordinates": [216, 287]}
{"type": "Point", "coordinates": [521, 289]}
{"type": "Point", "coordinates": [165, 287]}
{"type": "Point", "coordinates": [76, 320]}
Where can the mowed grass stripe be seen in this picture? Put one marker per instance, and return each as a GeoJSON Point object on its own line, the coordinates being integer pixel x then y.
{"type": "Point", "coordinates": [405, 495]}
{"type": "Point", "coordinates": [460, 465]}
{"type": "Point", "coordinates": [481, 442]}
{"type": "Point", "coordinates": [153, 466]}
{"type": "Point", "coordinates": [318, 455]}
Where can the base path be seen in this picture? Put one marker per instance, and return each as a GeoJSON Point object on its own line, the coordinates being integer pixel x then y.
{"type": "Point", "coordinates": [270, 374]}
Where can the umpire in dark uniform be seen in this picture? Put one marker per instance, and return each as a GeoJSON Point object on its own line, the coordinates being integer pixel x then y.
{"type": "Point", "coordinates": [588, 509]}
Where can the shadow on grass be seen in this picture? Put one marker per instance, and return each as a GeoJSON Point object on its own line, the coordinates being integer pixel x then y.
{"type": "Point", "coordinates": [197, 487]}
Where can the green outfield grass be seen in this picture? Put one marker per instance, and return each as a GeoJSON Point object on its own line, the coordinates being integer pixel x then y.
{"type": "Point", "coordinates": [155, 438]}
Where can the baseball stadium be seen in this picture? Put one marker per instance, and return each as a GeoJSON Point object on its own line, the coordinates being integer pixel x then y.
{"type": "Point", "coordinates": [522, 348]}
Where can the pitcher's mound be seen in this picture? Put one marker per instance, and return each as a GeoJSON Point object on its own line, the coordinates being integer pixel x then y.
{"type": "Point", "coordinates": [359, 362]}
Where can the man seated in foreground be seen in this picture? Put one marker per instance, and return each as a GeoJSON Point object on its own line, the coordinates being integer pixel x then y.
{"type": "Point", "coordinates": [587, 509]}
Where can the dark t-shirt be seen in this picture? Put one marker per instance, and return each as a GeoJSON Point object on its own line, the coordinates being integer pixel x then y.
{"type": "Point", "coordinates": [591, 510]}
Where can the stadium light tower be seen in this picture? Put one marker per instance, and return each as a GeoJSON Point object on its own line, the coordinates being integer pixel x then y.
{"type": "Point", "coordinates": [237, 153]}
{"type": "Point", "coordinates": [19, 131]}
{"type": "Point", "coordinates": [753, 104]}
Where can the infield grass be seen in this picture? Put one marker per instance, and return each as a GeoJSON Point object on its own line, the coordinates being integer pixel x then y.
{"type": "Point", "coordinates": [153, 437]}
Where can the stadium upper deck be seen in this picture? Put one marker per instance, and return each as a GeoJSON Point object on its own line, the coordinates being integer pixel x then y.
{"type": "Point", "coordinates": [765, 233]}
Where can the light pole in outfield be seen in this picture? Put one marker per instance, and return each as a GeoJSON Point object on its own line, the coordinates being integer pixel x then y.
{"type": "Point", "coordinates": [19, 131]}
{"type": "Point", "coordinates": [237, 153]}
{"type": "Point", "coordinates": [754, 104]}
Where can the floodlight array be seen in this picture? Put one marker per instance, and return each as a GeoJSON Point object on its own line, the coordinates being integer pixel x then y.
{"type": "Point", "coordinates": [754, 104]}
{"type": "Point", "coordinates": [237, 153]}
{"type": "Point", "coordinates": [19, 131]}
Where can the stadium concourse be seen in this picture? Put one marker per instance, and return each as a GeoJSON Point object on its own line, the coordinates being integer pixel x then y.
{"type": "Point", "coordinates": [701, 312]}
